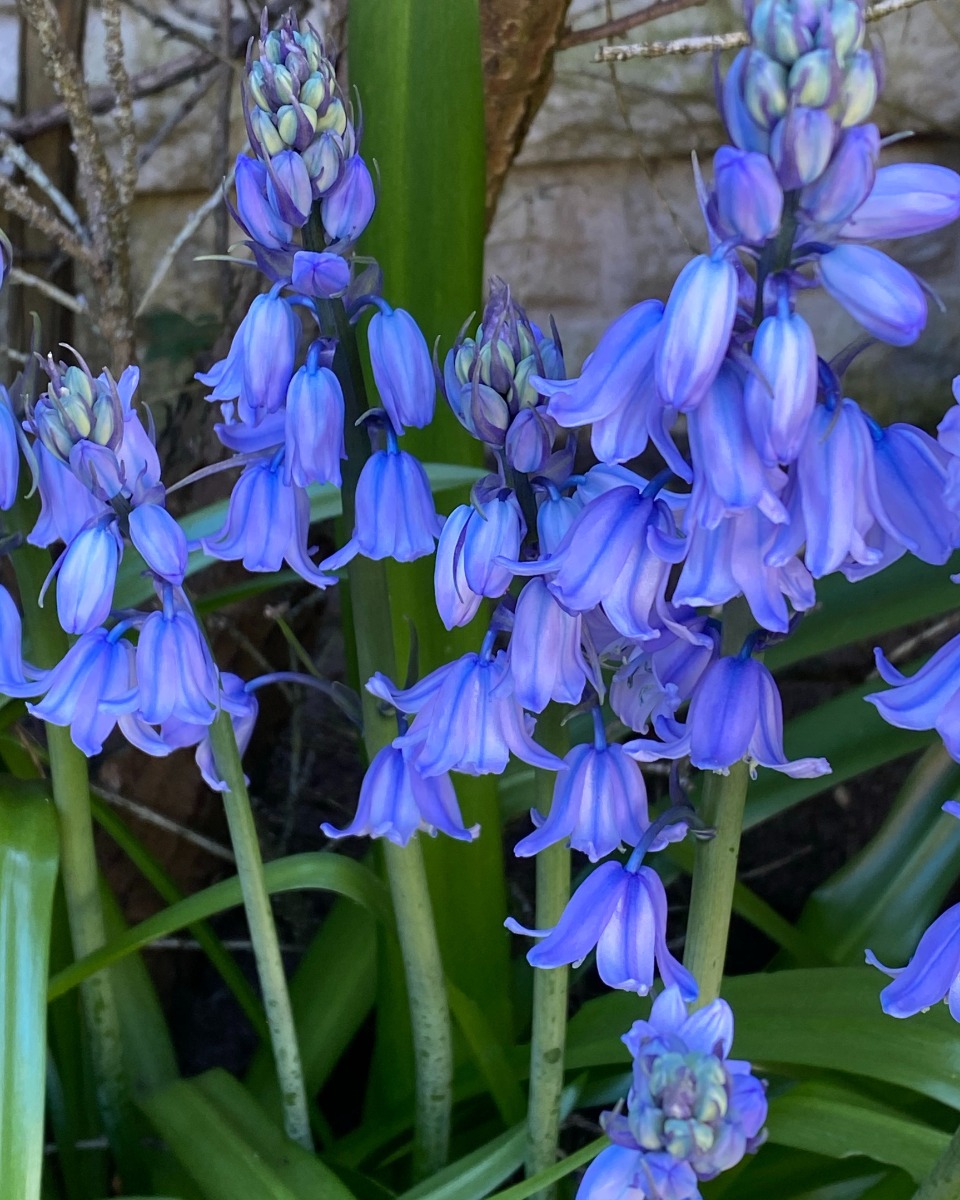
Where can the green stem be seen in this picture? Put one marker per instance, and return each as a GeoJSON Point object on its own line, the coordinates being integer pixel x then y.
{"type": "Point", "coordinates": [550, 987]}
{"type": "Point", "coordinates": [78, 862]}
{"type": "Point", "coordinates": [943, 1182]}
{"type": "Point", "coordinates": [406, 873]}
{"type": "Point", "coordinates": [263, 932]}
{"type": "Point", "coordinates": [715, 863]}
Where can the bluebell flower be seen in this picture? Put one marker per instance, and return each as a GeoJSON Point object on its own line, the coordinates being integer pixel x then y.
{"type": "Point", "coordinates": [932, 974]}
{"type": "Point", "coordinates": [289, 187]}
{"type": "Point", "coordinates": [395, 513]}
{"type": "Point", "coordinates": [728, 476]}
{"type": "Point", "coordinates": [847, 181]}
{"type": "Point", "coordinates": [555, 515]}
{"type": "Point", "coordinates": [764, 86]}
{"type": "Point", "coordinates": [695, 331]}
{"type": "Point", "coordinates": [66, 506]}
{"type": "Point", "coordinates": [692, 1111]}
{"type": "Point", "coordinates": [396, 801]}
{"type": "Point", "coordinates": [876, 291]}
{"type": "Point", "coordinates": [948, 436]}
{"type": "Point", "coordinates": [468, 719]}
{"type": "Point", "coordinates": [240, 702]}
{"type": "Point", "coordinates": [98, 469]}
{"type": "Point", "coordinates": [529, 440]}
{"type": "Point", "coordinates": [748, 196]}
{"type": "Point", "coordinates": [313, 425]}
{"type": "Point", "coordinates": [93, 684]}
{"type": "Point", "coordinates": [906, 199]}
{"type": "Point", "coordinates": [659, 676]}
{"type": "Point", "coordinates": [911, 472]}
{"type": "Point", "coordinates": [779, 401]}
{"type": "Point", "coordinates": [137, 454]}
{"type": "Point", "coordinates": [319, 273]}
{"type": "Point", "coordinates": [457, 603]}
{"type": "Point", "coordinates": [9, 453]}
{"type": "Point", "coordinates": [86, 576]}
{"type": "Point", "coordinates": [859, 88]}
{"type": "Point", "coordinates": [745, 131]}
{"type": "Point", "coordinates": [17, 677]}
{"type": "Point", "coordinates": [599, 803]}
{"type": "Point", "coordinates": [402, 369]}
{"type": "Point", "coordinates": [801, 145]}
{"type": "Point", "coordinates": [161, 541]}
{"type": "Point", "coordinates": [546, 657]}
{"type": "Point", "coordinates": [616, 554]}
{"type": "Point", "coordinates": [347, 208]}
{"type": "Point", "coordinates": [267, 523]}
{"type": "Point", "coordinates": [623, 913]}
{"type": "Point", "coordinates": [176, 673]}
{"type": "Point", "coordinates": [257, 216]}
{"type": "Point", "coordinates": [929, 699]}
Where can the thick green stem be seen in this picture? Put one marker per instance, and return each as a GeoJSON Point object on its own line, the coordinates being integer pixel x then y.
{"type": "Point", "coordinates": [263, 932]}
{"type": "Point", "coordinates": [373, 634]}
{"type": "Point", "coordinates": [78, 863]}
{"type": "Point", "coordinates": [943, 1182]}
{"type": "Point", "coordinates": [715, 864]}
{"type": "Point", "coordinates": [550, 987]}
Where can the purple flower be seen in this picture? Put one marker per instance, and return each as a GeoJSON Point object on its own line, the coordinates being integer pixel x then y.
{"type": "Point", "coordinates": [906, 199]}
{"type": "Point", "coordinates": [749, 198]}
{"type": "Point", "coordinates": [660, 676]}
{"type": "Point", "coordinates": [402, 370]}
{"type": "Point", "coordinates": [468, 719]}
{"type": "Point", "coordinates": [930, 699]}
{"type": "Point", "coordinates": [66, 506]}
{"type": "Point", "coordinates": [288, 187]}
{"type": "Point", "coordinates": [599, 803]}
{"type": "Point", "coordinates": [846, 183]}
{"type": "Point", "coordinates": [744, 130]}
{"type": "Point", "coordinates": [932, 974]}
{"type": "Point", "coordinates": [546, 658]}
{"type": "Point", "coordinates": [242, 706]}
{"type": "Point", "coordinates": [529, 441]}
{"type": "Point", "coordinates": [17, 678]}
{"type": "Point", "coordinates": [554, 517]}
{"type": "Point", "coordinates": [86, 575]}
{"type": "Point", "coordinates": [695, 332]}
{"type": "Point", "coordinates": [911, 472]}
{"type": "Point", "coordinates": [395, 513]}
{"type": "Point", "coordinates": [692, 1112]}
{"type": "Point", "coordinates": [267, 523]}
{"type": "Point", "coordinates": [319, 273]}
{"type": "Point", "coordinates": [396, 801]}
{"type": "Point", "coordinates": [876, 291]}
{"type": "Point", "coordinates": [93, 685]}
{"type": "Point", "coordinates": [801, 145]}
{"type": "Point", "coordinates": [9, 453]}
{"type": "Point", "coordinates": [255, 213]}
{"type": "Point", "coordinates": [623, 913]}
{"type": "Point", "coordinates": [160, 540]}
{"type": "Point", "coordinates": [347, 208]}
{"type": "Point", "coordinates": [779, 401]}
{"type": "Point", "coordinates": [175, 670]}
{"type": "Point", "coordinates": [457, 604]}
{"type": "Point", "coordinates": [313, 425]}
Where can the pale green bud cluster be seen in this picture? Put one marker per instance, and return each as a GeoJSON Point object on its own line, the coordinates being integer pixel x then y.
{"type": "Point", "coordinates": [77, 407]}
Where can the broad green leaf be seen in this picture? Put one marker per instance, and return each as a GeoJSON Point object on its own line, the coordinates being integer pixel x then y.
{"type": "Point", "coordinates": [544, 1179]}
{"type": "Point", "coordinates": [908, 591]}
{"type": "Point", "coordinates": [489, 1055]}
{"type": "Point", "coordinates": [323, 871]}
{"type": "Point", "coordinates": [29, 855]}
{"type": "Point", "coordinates": [826, 1120]}
{"type": "Point", "coordinates": [229, 1145]}
{"type": "Point", "coordinates": [886, 895]}
{"type": "Point", "coordinates": [780, 1173]}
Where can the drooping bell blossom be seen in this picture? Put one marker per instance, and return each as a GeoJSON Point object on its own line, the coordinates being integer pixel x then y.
{"type": "Point", "coordinates": [911, 472]}
{"type": "Point", "coordinates": [473, 539]}
{"type": "Point", "coordinates": [735, 714]}
{"type": "Point", "coordinates": [736, 558]}
{"type": "Point", "coordinates": [66, 506]}
{"type": "Point", "coordinates": [456, 603]}
{"type": "Point", "coordinates": [728, 476]}
{"type": "Point", "coordinates": [137, 453]}
{"type": "Point", "coordinates": [660, 676]}
{"type": "Point", "coordinates": [529, 441]}
{"type": "Point", "coordinates": [176, 673]}
{"type": "Point", "coordinates": [347, 208]}
{"type": "Point", "coordinates": [692, 1111]}
{"type": "Point", "coordinates": [9, 453]}
{"type": "Point", "coordinates": [749, 197]}
{"type": "Point", "coordinates": [402, 369]}
{"type": "Point", "coordinates": [395, 513]}
{"type": "Point", "coordinates": [396, 801]}
{"type": "Point", "coordinates": [931, 975]}
{"type": "Point", "coordinates": [98, 469]}
{"type": "Point", "coordinates": [877, 292]}
{"type": "Point", "coordinates": [948, 435]}
{"type": "Point", "coordinates": [161, 541]}
{"type": "Point", "coordinates": [546, 657]}
{"type": "Point", "coordinates": [555, 515]}
{"type": "Point", "coordinates": [695, 330]}
{"type": "Point", "coordinates": [616, 554]}
{"type": "Point", "coordinates": [468, 719]}
{"type": "Point", "coordinates": [929, 699]}
{"type": "Point", "coordinates": [288, 186]}
{"type": "Point", "coordinates": [779, 398]}
{"type": "Point", "coordinates": [236, 699]}
{"type": "Point", "coordinates": [93, 685]}
{"type": "Point", "coordinates": [623, 912]}
{"type": "Point", "coordinates": [313, 425]}
{"type": "Point", "coordinates": [86, 576]}
{"type": "Point", "coordinates": [267, 523]}
{"type": "Point", "coordinates": [847, 181]}
{"type": "Point", "coordinates": [319, 273]}
{"type": "Point", "coordinates": [906, 199]}
{"type": "Point", "coordinates": [255, 213]}
{"type": "Point", "coordinates": [801, 145]}
{"type": "Point", "coordinates": [599, 803]}
{"type": "Point", "coordinates": [17, 677]}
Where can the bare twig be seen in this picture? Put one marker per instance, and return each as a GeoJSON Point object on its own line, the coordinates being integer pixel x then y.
{"type": "Point", "coordinates": [19, 201]}
{"type": "Point", "coordinates": [154, 818]}
{"type": "Point", "coordinates": [161, 21]}
{"type": "Point", "coordinates": [189, 228]}
{"type": "Point", "coordinates": [722, 41]}
{"type": "Point", "coordinates": [76, 304]}
{"type": "Point", "coordinates": [15, 154]}
{"type": "Point", "coordinates": [120, 79]}
{"type": "Point", "coordinates": [203, 85]}
{"type": "Point", "coordinates": [618, 25]}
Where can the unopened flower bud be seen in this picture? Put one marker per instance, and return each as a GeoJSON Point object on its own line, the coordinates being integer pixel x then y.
{"type": "Point", "coordinates": [400, 359]}
{"type": "Point", "coordinates": [906, 199]}
{"type": "Point", "coordinates": [846, 183]}
{"type": "Point", "coordinates": [489, 415]}
{"type": "Point", "coordinates": [765, 89]}
{"type": "Point", "coordinates": [779, 31]}
{"type": "Point", "coordinates": [348, 207]}
{"type": "Point", "coordinates": [749, 198]}
{"type": "Point", "coordinates": [813, 79]}
{"type": "Point", "coordinates": [529, 441]}
{"type": "Point", "coordinates": [801, 145]}
{"type": "Point", "coordinates": [323, 159]}
{"type": "Point", "coordinates": [496, 365]}
{"type": "Point", "coordinates": [879, 293]}
{"type": "Point", "coordinates": [859, 89]}
{"type": "Point", "coordinates": [284, 84]}
{"type": "Point", "coordinates": [333, 117]}
{"type": "Point", "coordinates": [842, 28]}
{"type": "Point", "coordinates": [743, 129]}
{"type": "Point", "coordinates": [266, 133]}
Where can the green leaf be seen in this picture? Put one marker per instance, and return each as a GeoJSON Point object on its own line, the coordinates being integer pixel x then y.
{"type": "Point", "coordinates": [829, 1120]}
{"type": "Point", "coordinates": [323, 871]}
{"type": "Point", "coordinates": [29, 857]}
{"type": "Point", "coordinates": [887, 894]}
{"type": "Point", "coordinates": [489, 1055]}
{"type": "Point", "coordinates": [907, 591]}
{"type": "Point", "coordinates": [544, 1179]}
{"type": "Point", "coordinates": [229, 1145]}
{"type": "Point", "coordinates": [475, 1175]}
